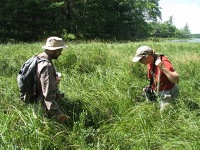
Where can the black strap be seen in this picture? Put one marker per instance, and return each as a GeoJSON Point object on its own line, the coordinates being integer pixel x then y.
{"type": "Point", "coordinates": [153, 68]}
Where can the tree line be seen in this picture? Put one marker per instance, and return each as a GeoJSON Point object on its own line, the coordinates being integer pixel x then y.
{"type": "Point", "coordinates": [33, 20]}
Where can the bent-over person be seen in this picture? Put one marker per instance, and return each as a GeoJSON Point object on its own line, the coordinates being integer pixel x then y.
{"type": "Point", "coordinates": [48, 79]}
{"type": "Point", "coordinates": [163, 75]}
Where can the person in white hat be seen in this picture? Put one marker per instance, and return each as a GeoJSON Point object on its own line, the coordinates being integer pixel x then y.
{"type": "Point", "coordinates": [48, 78]}
{"type": "Point", "coordinates": [162, 75]}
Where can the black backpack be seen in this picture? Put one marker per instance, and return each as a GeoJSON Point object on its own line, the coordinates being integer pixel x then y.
{"type": "Point", "coordinates": [26, 79]}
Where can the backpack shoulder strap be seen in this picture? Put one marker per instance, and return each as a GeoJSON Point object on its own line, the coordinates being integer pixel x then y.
{"type": "Point", "coordinates": [161, 55]}
{"type": "Point", "coordinates": [153, 68]}
{"type": "Point", "coordinates": [40, 59]}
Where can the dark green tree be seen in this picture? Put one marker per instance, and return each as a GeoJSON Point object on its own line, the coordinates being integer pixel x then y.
{"type": "Point", "coordinates": [166, 29]}
{"type": "Point", "coordinates": [120, 19]}
{"type": "Point", "coordinates": [32, 20]}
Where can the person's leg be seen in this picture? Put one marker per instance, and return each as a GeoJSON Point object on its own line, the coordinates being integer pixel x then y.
{"type": "Point", "coordinates": [168, 97]}
{"type": "Point", "coordinates": [165, 102]}
{"type": "Point", "coordinates": [174, 92]}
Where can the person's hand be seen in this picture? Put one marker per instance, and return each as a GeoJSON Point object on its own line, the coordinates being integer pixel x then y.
{"type": "Point", "coordinates": [145, 88]}
{"type": "Point", "coordinates": [58, 80]}
{"type": "Point", "coordinates": [63, 118]}
{"type": "Point", "coordinates": [159, 63]}
{"type": "Point", "coordinates": [58, 77]}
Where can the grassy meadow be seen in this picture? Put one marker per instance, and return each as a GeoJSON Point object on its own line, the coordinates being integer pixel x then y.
{"type": "Point", "coordinates": [103, 99]}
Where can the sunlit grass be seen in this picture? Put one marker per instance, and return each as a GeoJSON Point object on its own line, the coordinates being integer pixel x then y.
{"type": "Point", "coordinates": [103, 98]}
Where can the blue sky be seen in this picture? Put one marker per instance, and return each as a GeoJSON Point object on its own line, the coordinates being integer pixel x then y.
{"type": "Point", "coordinates": [183, 11]}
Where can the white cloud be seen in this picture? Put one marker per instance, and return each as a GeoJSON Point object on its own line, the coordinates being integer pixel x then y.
{"type": "Point", "coordinates": [185, 11]}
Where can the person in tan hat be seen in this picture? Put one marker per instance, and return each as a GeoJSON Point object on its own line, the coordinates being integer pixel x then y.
{"type": "Point", "coordinates": [48, 78]}
{"type": "Point", "coordinates": [162, 75]}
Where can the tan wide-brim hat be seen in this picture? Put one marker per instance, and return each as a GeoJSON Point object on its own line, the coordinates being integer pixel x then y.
{"type": "Point", "coordinates": [54, 43]}
{"type": "Point", "coordinates": [141, 52]}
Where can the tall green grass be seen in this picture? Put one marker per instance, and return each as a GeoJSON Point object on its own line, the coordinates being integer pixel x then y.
{"type": "Point", "coordinates": [103, 99]}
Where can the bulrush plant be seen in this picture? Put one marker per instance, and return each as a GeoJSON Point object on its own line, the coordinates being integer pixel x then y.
{"type": "Point", "coordinates": [103, 98]}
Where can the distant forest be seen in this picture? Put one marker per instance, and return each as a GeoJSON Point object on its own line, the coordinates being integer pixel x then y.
{"type": "Point", "coordinates": [195, 35]}
{"type": "Point", "coordinates": [34, 20]}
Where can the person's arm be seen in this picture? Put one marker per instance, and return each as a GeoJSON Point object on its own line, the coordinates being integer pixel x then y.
{"type": "Point", "coordinates": [171, 74]}
{"type": "Point", "coordinates": [49, 90]}
{"type": "Point", "coordinates": [48, 84]}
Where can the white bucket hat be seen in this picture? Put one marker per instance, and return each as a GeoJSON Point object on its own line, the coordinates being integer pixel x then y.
{"type": "Point", "coordinates": [54, 43]}
{"type": "Point", "coordinates": [142, 51]}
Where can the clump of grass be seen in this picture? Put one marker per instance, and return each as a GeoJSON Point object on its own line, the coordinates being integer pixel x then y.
{"type": "Point", "coordinates": [103, 98]}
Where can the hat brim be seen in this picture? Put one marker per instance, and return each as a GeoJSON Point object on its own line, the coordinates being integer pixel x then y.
{"type": "Point", "coordinates": [54, 48]}
{"type": "Point", "coordinates": [136, 58]}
